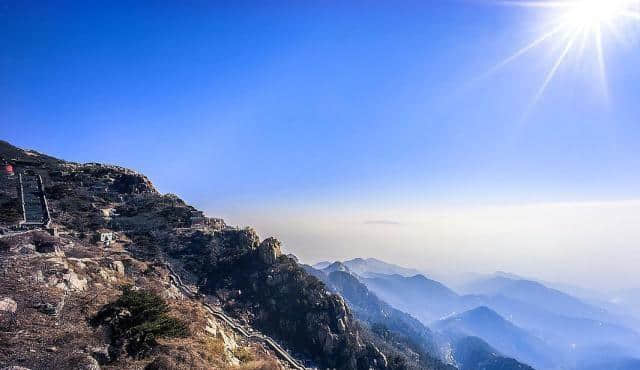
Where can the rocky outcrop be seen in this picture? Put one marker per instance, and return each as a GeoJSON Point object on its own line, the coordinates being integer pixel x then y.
{"type": "Point", "coordinates": [409, 335]}
{"type": "Point", "coordinates": [8, 305]}
{"type": "Point", "coordinates": [269, 251]}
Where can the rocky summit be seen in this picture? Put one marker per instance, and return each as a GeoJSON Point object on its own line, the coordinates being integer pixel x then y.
{"type": "Point", "coordinates": [100, 270]}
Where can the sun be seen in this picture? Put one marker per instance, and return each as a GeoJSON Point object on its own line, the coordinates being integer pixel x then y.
{"type": "Point", "coordinates": [590, 14]}
{"type": "Point", "coordinates": [570, 20]}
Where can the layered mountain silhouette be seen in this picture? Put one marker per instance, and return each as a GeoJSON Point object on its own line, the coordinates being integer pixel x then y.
{"type": "Point", "coordinates": [501, 334]}
{"type": "Point", "coordinates": [562, 330]}
{"type": "Point", "coordinates": [403, 329]}
{"type": "Point", "coordinates": [427, 299]}
{"type": "Point", "coordinates": [365, 267]}
{"type": "Point", "coordinates": [473, 353]}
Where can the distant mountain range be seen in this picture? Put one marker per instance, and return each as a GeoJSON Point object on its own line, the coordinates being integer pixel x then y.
{"type": "Point", "coordinates": [364, 267]}
{"type": "Point", "coordinates": [501, 334]}
{"type": "Point", "coordinates": [427, 299]}
{"type": "Point", "coordinates": [473, 353]}
{"type": "Point", "coordinates": [520, 318]}
{"type": "Point", "coordinates": [536, 294]}
{"type": "Point", "coordinates": [408, 333]}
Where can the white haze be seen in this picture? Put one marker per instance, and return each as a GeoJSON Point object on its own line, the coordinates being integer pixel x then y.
{"type": "Point", "coordinates": [591, 244]}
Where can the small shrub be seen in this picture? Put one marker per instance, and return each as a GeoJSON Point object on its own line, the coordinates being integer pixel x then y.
{"type": "Point", "coordinates": [214, 347]}
{"type": "Point", "coordinates": [243, 355]}
{"type": "Point", "coordinates": [44, 243]}
{"type": "Point", "coordinates": [8, 322]}
{"type": "Point", "coordinates": [259, 365]}
{"type": "Point", "coordinates": [137, 319]}
{"type": "Point", "coordinates": [10, 211]}
{"type": "Point", "coordinates": [5, 245]}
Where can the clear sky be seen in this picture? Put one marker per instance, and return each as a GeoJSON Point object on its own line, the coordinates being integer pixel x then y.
{"type": "Point", "coordinates": [327, 123]}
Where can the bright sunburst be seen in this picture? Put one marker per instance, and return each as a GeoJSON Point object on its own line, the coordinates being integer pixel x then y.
{"type": "Point", "coordinates": [578, 24]}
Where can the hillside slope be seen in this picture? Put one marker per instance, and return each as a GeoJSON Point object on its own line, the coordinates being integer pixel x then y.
{"type": "Point", "coordinates": [54, 287]}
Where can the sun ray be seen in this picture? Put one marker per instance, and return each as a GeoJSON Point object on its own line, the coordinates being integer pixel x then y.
{"type": "Point", "coordinates": [601, 62]}
{"type": "Point", "coordinates": [582, 22]}
{"type": "Point", "coordinates": [537, 4]}
{"type": "Point", "coordinates": [522, 51]}
{"type": "Point", "coordinates": [583, 43]}
{"type": "Point", "coordinates": [554, 69]}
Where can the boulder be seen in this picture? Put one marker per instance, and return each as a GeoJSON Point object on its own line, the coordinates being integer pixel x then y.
{"type": "Point", "coordinates": [269, 251]}
{"type": "Point", "coordinates": [73, 282]}
{"type": "Point", "coordinates": [328, 340]}
{"type": "Point", "coordinates": [81, 361]}
{"type": "Point", "coordinates": [46, 308]}
{"type": "Point", "coordinates": [118, 267]}
{"type": "Point", "coordinates": [44, 243]}
{"type": "Point", "coordinates": [377, 357]}
{"type": "Point", "coordinates": [241, 240]}
{"type": "Point", "coordinates": [293, 257]}
{"type": "Point", "coordinates": [101, 354]}
{"type": "Point", "coordinates": [8, 305]}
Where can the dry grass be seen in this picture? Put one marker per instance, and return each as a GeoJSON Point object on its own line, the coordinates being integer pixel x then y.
{"type": "Point", "coordinates": [244, 355]}
{"type": "Point", "coordinates": [259, 365]}
{"type": "Point", "coordinates": [213, 350]}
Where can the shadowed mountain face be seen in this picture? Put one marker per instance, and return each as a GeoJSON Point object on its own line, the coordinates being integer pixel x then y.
{"type": "Point", "coordinates": [424, 298]}
{"type": "Point", "coordinates": [565, 322]}
{"type": "Point", "coordinates": [616, 364]}
{"type": "Point", "coordinates": [563, 332]}
{"type": "Point", "coordinates": [507, 338]}
{"type": "Point", "coordinates": [541, 295]}
{"type": "Point", "coordinates": [538, 295]}
{"type": "Point", "coordinates": [472, 353]}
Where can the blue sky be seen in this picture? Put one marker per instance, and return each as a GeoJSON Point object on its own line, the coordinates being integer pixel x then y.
{"type": "Point", "coordinates": [240, 105]}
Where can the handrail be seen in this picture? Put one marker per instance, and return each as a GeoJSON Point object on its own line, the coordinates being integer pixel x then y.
{"type": "Point", "coordinates": [221, 315]}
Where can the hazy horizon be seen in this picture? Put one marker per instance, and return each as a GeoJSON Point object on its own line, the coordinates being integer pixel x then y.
{"type": "Point", "coordinates": [446, 242]}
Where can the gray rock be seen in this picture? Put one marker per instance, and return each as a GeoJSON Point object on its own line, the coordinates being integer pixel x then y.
{"type": "Point", "coordinates": [74, 282]}
{"type": "Point", "coordinates": [269, 250]}
{"type": "Point", "coordinates": [81, 361]}
{"type": "Point", "coordinates": [101, 354]}
{"type": "Point", "coordinates": [46, 308]}
{"type": "Point", "coordinates": [8, 305]}
{"type": "Point", "coordinates": [118, 267]}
